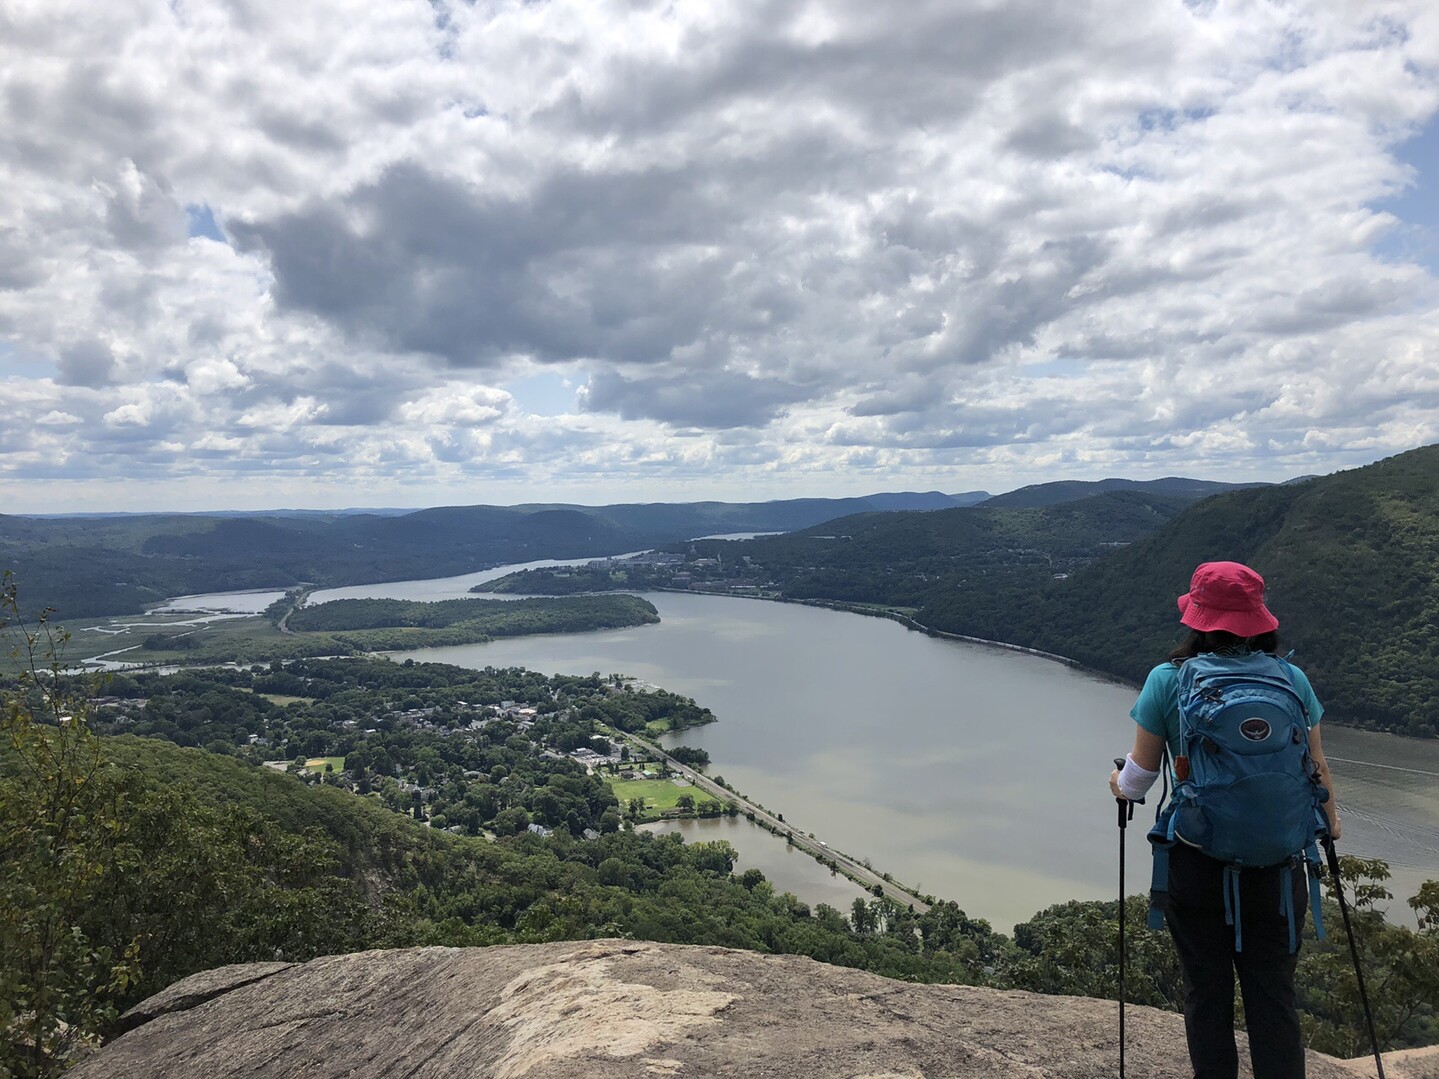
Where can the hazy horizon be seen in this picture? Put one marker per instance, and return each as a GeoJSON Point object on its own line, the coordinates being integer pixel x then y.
{"type": "Point", "coordinates": [590, 504]}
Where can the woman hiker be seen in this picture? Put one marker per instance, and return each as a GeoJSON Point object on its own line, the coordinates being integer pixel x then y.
{"type": "Point", "coordinates": [1225, 612]}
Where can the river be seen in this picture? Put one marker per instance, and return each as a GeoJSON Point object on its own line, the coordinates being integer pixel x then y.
{"type": "Point", "coordinates": [973, 773]}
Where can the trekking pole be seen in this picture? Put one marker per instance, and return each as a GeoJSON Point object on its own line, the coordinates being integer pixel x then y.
{"type": "Point", "coordinates": [1333, 857]}
{"type": "Point", "coordinates": [1126, 814]}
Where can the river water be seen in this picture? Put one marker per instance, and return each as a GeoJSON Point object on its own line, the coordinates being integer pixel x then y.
{"type": "Point", "coordinates": [970, 772]}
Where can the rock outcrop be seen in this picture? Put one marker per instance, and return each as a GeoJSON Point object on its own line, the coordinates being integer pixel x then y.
{"type": "Point", "coordinates": [611, 1008]}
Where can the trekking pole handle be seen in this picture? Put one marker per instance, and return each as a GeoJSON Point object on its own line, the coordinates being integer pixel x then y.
{"type": "Point", "coordinates": [1126, 806]}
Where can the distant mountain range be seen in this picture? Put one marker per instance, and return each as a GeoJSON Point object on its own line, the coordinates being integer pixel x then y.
{"type": "Point", "coordinates": [1039, 494]}
{"type": "Point", "coordinates": [122, 563]}
{"type": "Point", "coordinates": [118, 564]}
{"type": "Point", "coordinates": [1053, 494]}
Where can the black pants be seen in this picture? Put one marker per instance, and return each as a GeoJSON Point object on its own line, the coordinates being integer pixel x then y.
{"type": "Point", "coordinates": [1266, 969]}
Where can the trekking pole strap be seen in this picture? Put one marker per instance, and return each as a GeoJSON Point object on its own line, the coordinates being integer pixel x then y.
{"type": "Point", "coordinates": [1231, 905]}
{"type": "Point", "coordinates": [1286, 905]}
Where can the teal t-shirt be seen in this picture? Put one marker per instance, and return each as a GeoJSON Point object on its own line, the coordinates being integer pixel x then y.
{"type": "Point", "coordinates": [1157, 709]}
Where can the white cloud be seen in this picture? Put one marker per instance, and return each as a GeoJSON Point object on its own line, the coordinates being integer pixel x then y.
{"type": "Point", "coordinates": [778, 248]}
{"type": "Point", "coordinates": [456, 406]}
{"type": "Point", "coordinates": [56, 418]}
{"type": "Point", "coordinates": [136, 414]}
{"type": "Point", "coordinates": [276, 417]}
{"type": "Point", "coordinates": [215, 375]}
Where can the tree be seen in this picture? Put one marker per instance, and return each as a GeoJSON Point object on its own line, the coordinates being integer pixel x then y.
{"type": "Point", "coordinates": [58, 817]}
{"type": "Point", "coordinates": [861, 917]}
{"type": "Point", "coordinates": [511, 821]}
{"type": "Point", "coordinates": [1401, 969]}
{"type": "Point", "coordinates": [112, 887]}
{"type": "Point", "coordinates": [694, 758]}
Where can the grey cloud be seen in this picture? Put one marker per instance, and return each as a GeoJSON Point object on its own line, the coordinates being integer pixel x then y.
{"type": "Point", "coordinates": [1049, 135]}
{"type": "Point", "coordinates": [354, 395]}
{"type": "Point", "coordinates": [207, 329]}
{"type": "Point", "coordinates": [287, 128]}
{"type": "Point", "coordinates": [1205, 212]}
{"type": "Point", "coordinates": [359, 408]}
{"type": "Point", "coordinates": [1217, 406]}
{"type": "Point", "coordinates": [18, 269]}
{"type": "Point", "coordinates": [700, 399]}
{"type": "Point", "coordinates": [907, 395]}
{"type": "Point", "coordinates": [959, 429]}
{"type": "Point", "coordinates": [1331, 304]}
{"type": "Point", "coordinates": [894, 72]}
{"type": "Point", "coordinates": [1009, 311]}
{"type": "Point", "coordinates": [79, 118]}
{"type": "Point", "coordinates": [445, 269]}
{"type": "Point", "coordinates": [86, 363]}
{"type": "Point", "coordinates": [139, 214]}
{"type": "Point", "coordinates": [131, 296]}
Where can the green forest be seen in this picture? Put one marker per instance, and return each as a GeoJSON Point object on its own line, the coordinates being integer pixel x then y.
{"type": "Point", "coordinates": [378, 625]}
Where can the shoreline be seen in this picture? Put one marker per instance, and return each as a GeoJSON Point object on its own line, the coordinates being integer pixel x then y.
{"type": "Point", "coordinates": [929, 631]}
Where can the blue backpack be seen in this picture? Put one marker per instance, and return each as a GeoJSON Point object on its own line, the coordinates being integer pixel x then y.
{"type": "Point", "coordinates": [1245, 789]}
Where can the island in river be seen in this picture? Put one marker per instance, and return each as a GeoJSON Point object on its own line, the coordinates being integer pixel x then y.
{"type": "Point", "coordinates": [291, 629]}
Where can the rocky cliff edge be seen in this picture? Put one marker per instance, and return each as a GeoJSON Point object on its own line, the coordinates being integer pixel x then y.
{"type": "Point", "coordinates": [611, 1008]}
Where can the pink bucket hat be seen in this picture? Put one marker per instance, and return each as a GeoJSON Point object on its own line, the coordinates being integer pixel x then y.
{"type": "Point", "coordinates": [1226, 596]}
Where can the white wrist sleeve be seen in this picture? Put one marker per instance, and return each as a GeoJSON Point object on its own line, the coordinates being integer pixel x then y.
{"type": "Point", "coordinates": [1134, 781]}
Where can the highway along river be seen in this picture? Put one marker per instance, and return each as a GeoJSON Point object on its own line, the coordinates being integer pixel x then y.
{"type": "Point", "coordinates": [975, 773]}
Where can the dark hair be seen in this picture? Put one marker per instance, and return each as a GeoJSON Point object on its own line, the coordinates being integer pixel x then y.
{"type": "Point", "coordinates": [1217, 640]}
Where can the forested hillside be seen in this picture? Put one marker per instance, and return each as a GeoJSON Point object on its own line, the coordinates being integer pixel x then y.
{"type": "Point", "coordinates": [891, 559]}
{"type": "Point", "coordinates": [902, 559]}
{"type": "Point", "coordinates": [1352, 567]}
{"type": "Point", "coordinates": [1052, 494]}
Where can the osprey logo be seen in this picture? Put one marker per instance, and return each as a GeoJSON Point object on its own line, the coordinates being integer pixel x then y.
{"type": "Point", "coordinates": [1256, 729]}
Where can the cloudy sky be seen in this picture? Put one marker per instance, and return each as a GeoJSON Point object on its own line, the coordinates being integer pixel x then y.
{"type": "Point", "coordinates": [388, 252]}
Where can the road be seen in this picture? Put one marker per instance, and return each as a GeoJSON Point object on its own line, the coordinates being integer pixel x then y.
{"type": "Point", "coordinates": [816, 847]}
{"type": "Point", "coordinates": [283, 625]}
